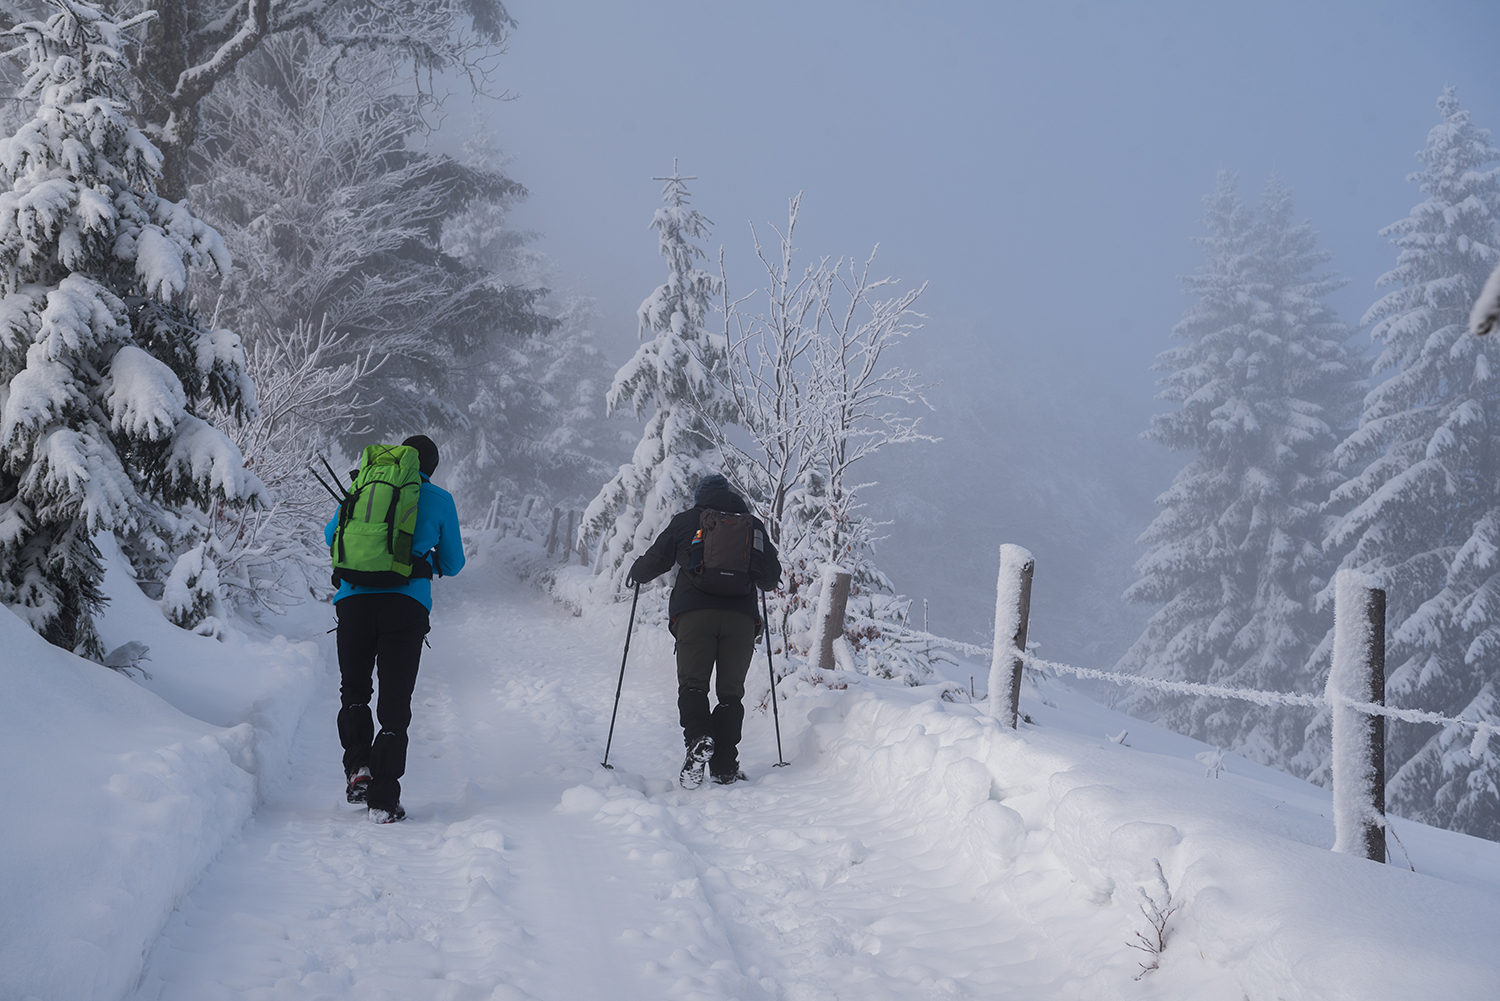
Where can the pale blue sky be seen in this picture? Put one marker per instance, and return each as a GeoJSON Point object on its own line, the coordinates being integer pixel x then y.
{"type": "Point", "coordinates": [1042, 165]}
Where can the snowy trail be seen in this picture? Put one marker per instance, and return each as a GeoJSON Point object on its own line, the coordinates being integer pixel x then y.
{"type": "Point", "coordinates": [779, 889]}
{"type": "Point", "coordinates": [485, 892]}
{"type": "Point", "coordinates": [913, 850]}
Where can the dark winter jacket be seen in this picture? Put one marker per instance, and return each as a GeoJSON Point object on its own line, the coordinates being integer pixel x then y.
{"type": "Point", "coordinates": [672, 547]}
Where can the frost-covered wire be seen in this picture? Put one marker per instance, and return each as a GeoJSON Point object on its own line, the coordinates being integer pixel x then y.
{"type": "Point", "coordinates": [1307, 699]}
{"type": "Point", "coordinates": [1252, 695]}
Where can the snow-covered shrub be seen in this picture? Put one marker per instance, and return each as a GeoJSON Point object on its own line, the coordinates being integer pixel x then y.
{"type": "Point", "coordinates": [308, 403]}
{"type": "Point", "coordinates": [191, 592]}
{"type": "Point", "coordinates": [108, 379]}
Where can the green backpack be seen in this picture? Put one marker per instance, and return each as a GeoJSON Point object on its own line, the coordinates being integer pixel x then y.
{"type": "Point", "coordinates": [377, 517]}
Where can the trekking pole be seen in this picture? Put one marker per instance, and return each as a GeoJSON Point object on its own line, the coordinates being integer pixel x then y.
{"type": "Point", "coordinates": [335, 496]}
{"type": "Point", "coordinates": [336, 477]}
{"type": "Point", "coordinates": [781, 762]}
{"type": "Point", "coordinates": [619, 687]}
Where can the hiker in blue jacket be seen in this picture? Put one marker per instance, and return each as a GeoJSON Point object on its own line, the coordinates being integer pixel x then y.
{"type": "Point", "coordinates": [380, 631]}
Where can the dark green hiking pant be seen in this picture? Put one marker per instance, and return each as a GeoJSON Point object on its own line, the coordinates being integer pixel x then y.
{"type": "Point", "coordinates": [710, 639]}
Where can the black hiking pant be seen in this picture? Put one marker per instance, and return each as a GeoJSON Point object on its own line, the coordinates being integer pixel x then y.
{"type": "Point", "coordinates": [379, 635]}
{"type": "Point", "coordinates": [717, 643]}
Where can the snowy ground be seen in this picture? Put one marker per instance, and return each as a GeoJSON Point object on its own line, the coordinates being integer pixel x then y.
{"type": "Point", "coordinates": [913, 849]}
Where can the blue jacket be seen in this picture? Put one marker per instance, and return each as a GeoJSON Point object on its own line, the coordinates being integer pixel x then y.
{"type": "Point", "coordinates": [436, 538]}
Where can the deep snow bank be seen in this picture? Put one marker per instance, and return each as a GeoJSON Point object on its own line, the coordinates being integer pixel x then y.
{"type": "Point", "coordinates": [118, 793]}
{"type": "Point", "coordinates": [1263, 907]}
{"type": "Point", "coordinates": [1056, 834]}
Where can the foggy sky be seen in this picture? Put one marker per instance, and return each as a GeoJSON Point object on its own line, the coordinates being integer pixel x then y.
{"type": "Point", "coordinates": [1042, 166]}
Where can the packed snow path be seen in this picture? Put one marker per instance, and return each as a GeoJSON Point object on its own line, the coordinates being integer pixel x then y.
{"type": "Point", "coordinates": [780, 888]}
{"type": "Point", "coordinates": [886, 863]}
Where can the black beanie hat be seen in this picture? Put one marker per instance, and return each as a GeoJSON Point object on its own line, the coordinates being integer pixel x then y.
{"type": "Point", "coordinates": [427, 452]}
{"type": "Point", "coordinates": [711, 484]}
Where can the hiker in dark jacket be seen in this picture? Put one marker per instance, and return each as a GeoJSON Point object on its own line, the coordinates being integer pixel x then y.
{"type": "Point", "coordinates": [712, 631]}
{"type": "Point", "coordinates": [380, 631]}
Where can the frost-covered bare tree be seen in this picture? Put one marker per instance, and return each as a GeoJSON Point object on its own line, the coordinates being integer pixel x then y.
{"type": "Point", "coordinates": [810, 381]}
{"type": "Point", "coordinates": [866, 401]}
{"type": "Point", "coordinates": [770, 374]}
{"type": "Point", "coordinates": [307, 405]}
{"type": "Point", "coordinates": [195, 46]}
{"type": "Point", "coordinates": [310, 173]}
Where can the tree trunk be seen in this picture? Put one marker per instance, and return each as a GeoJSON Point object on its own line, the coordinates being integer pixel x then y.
{"type": "Point", "coordinates": [163, 61]}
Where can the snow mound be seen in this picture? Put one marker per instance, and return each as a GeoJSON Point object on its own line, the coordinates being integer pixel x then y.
{"type": "Point", "coordinates": [120, 793]}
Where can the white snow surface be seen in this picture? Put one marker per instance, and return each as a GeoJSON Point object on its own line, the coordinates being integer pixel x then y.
{"type": "Point", "coordinates": [119, 793]}
{"type": "Point", "coordinates": [913, 849]}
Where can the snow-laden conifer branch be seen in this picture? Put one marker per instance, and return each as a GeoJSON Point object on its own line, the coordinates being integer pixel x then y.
{"type": "Point", "coordinates": [1485, 315]}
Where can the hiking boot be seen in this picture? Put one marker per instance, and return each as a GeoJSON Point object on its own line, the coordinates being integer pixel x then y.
{"type": "Point", "coordinates": [728, 778]}
{"type": "Point", "coordinates": [698, 753]}
{"type": "Point", "coordinates": [391, 816]}
{"type": "Point", "coordinates": [358, 787]}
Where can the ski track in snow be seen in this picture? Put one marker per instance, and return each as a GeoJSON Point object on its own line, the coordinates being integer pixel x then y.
{"type": "Point", "coordinates": [522, 872]}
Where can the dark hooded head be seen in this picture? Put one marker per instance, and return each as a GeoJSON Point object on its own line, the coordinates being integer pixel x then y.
{"type": "Point", "coordinates": [715, 492]}
{"type": "Point", "coordinates": [427, 452]}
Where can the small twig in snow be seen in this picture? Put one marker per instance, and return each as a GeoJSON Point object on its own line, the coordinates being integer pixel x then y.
{"type": "Point", "coordinates": [1212, 762]}
{"type": "Point", "coordinates": [1157, 913]}
{"type": "Point", "coordinates": [1392, 832]}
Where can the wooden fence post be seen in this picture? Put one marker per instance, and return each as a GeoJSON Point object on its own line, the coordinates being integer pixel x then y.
{"type": "Point", "coordinates": [552, 532]}
{"type": "Point", "coordinates": [1357, 674]}
{"type": "Point", "coordinates": [1012, 611]}
{"type": "Point", "coordinates": [836, 600]}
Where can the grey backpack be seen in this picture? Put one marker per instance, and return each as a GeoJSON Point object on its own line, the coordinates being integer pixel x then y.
{"type": "Point", "coordinates": [726, 555]}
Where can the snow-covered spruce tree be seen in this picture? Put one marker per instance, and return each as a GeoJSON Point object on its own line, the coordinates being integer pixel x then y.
{"type": "Point", "coordinates": [103, 371]}
{"type": "Point", "coordinates": [1423, 512]}
{"type": "Point", "coordinates": [679, 375]}
{"type": "Point", "coordinates": [1266, 383]}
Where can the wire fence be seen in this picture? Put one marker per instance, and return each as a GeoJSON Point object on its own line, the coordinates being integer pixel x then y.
{"type": "Point", "coordinates": [1312, 700]}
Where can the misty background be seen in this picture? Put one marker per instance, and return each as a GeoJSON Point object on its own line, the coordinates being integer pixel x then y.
{"type": "Point", "coordinates": [1041, 167]}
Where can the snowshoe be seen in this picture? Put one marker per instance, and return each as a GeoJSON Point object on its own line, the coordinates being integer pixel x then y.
{"type": "Point", "coordinates": [358, 787]}
{"type": "Point", "coordinates": [692, 766]}
{"type": "Point", "coordinates": [729, 778]}
{"type": "Point", "coordinates": [391, 816]}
